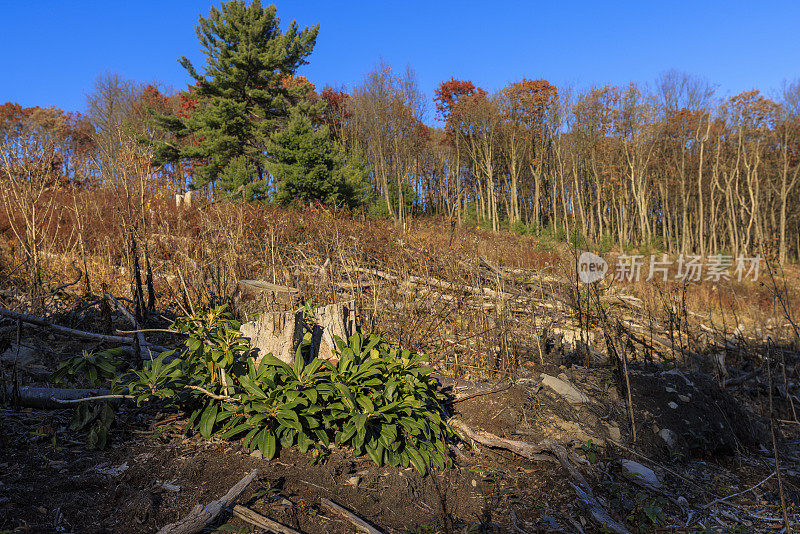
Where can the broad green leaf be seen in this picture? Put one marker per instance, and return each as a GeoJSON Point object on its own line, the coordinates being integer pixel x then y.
{"type": "Point", "coordinates": [207, 420]}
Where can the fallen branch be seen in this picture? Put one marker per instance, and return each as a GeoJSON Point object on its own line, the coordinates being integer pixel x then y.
{"type": "Point", "coordinates": [360, 524]}
{"type": "Point", "coordinates": [254, 518]}
{"type": "Point", "coordinates": [71, 332]}
{"type": "Point", "coordinates": [214, 396]}
{"type": "Point", "coordinates": [201, 516]}
{"type": "Point", "coordinates": [88, 399]}
{"type": "Point", "coordinates": [630, 327]}
{"type": "Point", "coordinates": [54, 398]}
{"type": "Point", "coordinates": [723, 499]}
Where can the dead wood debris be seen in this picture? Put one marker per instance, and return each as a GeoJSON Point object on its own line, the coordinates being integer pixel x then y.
{"type": "Point", "coordinates": [254, 518]}
{"type": "Point", "coordinates": [531, 452]}
{"type": "Point", "coordinates": [201, 516]}
{"type": "Point", "coordinates": [360, 524]}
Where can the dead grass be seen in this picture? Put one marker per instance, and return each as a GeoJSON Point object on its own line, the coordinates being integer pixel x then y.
{"type": "Point", "coordinates": [467, 329]}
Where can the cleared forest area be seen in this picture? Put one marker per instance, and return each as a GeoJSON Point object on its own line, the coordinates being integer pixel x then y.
{"type": "Point", "coordinates": [503, 317]}
{"type": "Point", "coordinates": [252, 306]}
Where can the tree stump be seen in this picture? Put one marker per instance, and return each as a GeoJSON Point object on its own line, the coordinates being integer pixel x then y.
{"type": "Point", "coordinates": [278, 333]}
{"type": "Point", "coordinates": [259, 296]}
{"type": "Point", "coordinates": [338, 319]}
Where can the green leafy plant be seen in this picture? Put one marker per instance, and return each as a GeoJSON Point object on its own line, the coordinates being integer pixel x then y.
{"type": "Point", "coordinates": [386, 405]}
{"type": "Point", "coordinates": [157, 378]}
{"type": "Point", "coordinates": [377, 398]}
{"type": "Point", "coordinates": [647, 513]}
{"type": "Point", "coordinates": [97, 420]}
{"type": "Point", "coordinates": [94, 367]}
{"type": "Point", "coordinates": [213, 346]}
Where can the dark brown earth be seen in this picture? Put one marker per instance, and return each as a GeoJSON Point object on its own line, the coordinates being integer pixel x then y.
{"type": "Point", "coordinates": [153, 475]}
{"type": "Point", "coordinates": [55, 485]}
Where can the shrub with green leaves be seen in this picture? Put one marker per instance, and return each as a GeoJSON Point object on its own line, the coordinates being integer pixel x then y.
{"type": "Point", "coordinates": [387, 406]}
{"type": "Point", "coordinates": [377, 399]}
{"type": "Point", "coordinates": [96, 421]}
{"type": "Point", "coordinates": [94, 367]}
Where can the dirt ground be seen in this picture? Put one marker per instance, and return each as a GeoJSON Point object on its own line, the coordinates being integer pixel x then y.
{"type": "Point", "coordinates": [152, 475]}
{"type": "Point", "coordinates": [710, 450]}
{"type": "Point", "coordinates": [150, 478]}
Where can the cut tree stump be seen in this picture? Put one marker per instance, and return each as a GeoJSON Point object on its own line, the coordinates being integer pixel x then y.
{"type": "Point", "coordinates": [259, 296]}
{"type": "Point", "coordinates": [278, 333]}
{"type": "Point", "coordinates": [338, 319]}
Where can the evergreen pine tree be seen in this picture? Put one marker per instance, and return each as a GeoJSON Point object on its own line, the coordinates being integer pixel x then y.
{"type": "Point", "coordinates": [309, 165]}
{"type": "Point", "coordinates": [241, 100]}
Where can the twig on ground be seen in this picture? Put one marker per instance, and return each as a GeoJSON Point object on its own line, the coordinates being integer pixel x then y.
{"type": "Point", "coordinates": [360, 524]}
{"type": "Point", "coordinates": [71, 332]}
{"type": "Point", "coordinates": [254, 518]}
{"type": "Point", "coordinates": [89, 399]}
{"type": "Point", "coordinates": [751, 488]}
{"type": "Point", "coordinates": [201, 516]}
{"type": "Point", "coordinates": [497, 389]}
{"type": "Point", "coordinates": [214, 396]}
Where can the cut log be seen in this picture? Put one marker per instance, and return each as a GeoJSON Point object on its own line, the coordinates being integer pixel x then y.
{"type": "Point", "coordinates": [201, 515]}
{"type": "Point", "coordinates": [280, 333]}
{"type": "Point", "coordinates": [338, 320]}
{"type": "Point", "coordinates": [276, 333]}
{"type": "Point", "coordinates": [258, 296]}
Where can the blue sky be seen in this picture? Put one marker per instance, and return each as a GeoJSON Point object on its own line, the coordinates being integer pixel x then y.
{"type": "Point", "coordinates": [54, 50]}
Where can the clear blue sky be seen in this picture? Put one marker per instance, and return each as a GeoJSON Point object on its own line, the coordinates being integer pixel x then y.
{"type": "Point", "coordinates": [53, 50]}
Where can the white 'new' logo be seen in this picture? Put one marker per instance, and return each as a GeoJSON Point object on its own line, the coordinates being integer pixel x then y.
{"type": "Point", "coordinates": [591, 268]}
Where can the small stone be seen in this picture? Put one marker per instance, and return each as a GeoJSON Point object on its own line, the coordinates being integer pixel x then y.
{"type": "Point", "coordinates": [669, 390]}
{"type": "Point", "coordinates": [614, 433]}
{"type": "Point", "coordinates": [639, 473]}
{"type": "Point", "coordinates": [669, 437]}
{"type": "Point", "coordinates": [474, 483]}
{"type": "Point", "coordinates": [169, 486]}
{"type": "Point", "coordinates": [353, 481]}
{"type": "Point", "coordinates": [673, 405]}
{"type": "Point", "coordinates": [565, 389]}
{"type": "Point", "coordinates": [575, 432]}
{"type": "Point", "coordinates": [684, 398]}
{"type": "Point", "coordinates": [256, 454]}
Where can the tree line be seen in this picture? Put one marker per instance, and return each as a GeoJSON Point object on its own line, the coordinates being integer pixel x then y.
{"type": "Point", "coordinates": [670, 165]}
